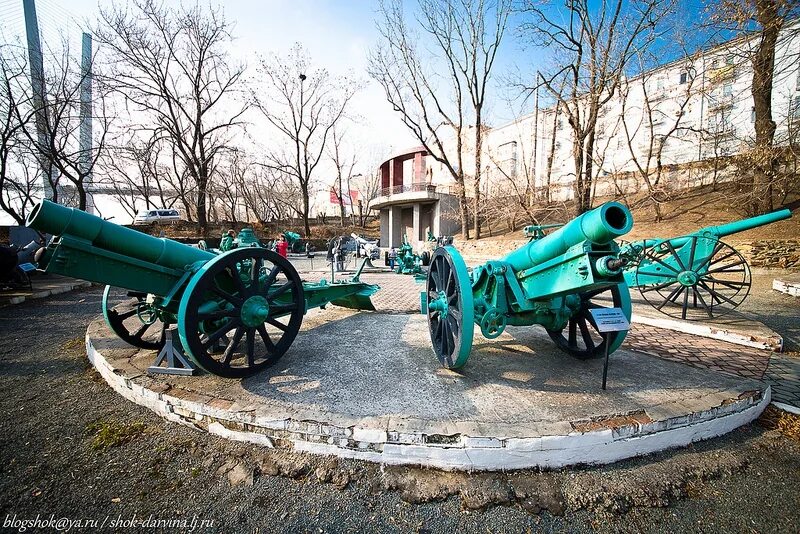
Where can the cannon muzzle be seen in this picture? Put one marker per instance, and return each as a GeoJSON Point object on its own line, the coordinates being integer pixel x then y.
{"type": "Point", "coordinates": [599, 226]}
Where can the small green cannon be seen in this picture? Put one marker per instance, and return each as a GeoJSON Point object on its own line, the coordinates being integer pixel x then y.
{"type": "Point", "coordinates": [245, 238]}
{"type": "Point", "coordinates": [696, 276]}
{"type": "Point", "coordinates": [236, 312]}
{"type": "Point", "coordinates": [553, 281]}
{"type": "Point", "coordinates": [407, 261]}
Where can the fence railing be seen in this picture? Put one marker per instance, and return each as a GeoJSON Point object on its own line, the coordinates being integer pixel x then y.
{"type": "Point", "coordinates": [410, 188]}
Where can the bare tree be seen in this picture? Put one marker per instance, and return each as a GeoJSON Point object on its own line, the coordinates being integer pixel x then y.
{"type": "Point", "coordinates": [345, 165]}
{"type": "Point", "coordinates": [173, 68]}
{"type": "Point", "coordinates": [466, 36]}
{"type": "Point", "coordinates": [135, 171]}
{"type": "Point", "coordinates": [17, 184]}
{"type": "Point", "coordinates": [593, 46]}
{"type": "Point", "coordinates": [764, 19]}
{"type": "Point", "coordinates": [59, 145]}
{"type": "Point", "coordinates": [303, 104]}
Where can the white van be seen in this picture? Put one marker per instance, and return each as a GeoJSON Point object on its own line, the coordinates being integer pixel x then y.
{"type": "Point", "coordinates": [156, 216]}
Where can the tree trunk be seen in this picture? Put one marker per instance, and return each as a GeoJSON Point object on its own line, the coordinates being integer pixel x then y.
{"type": "Point", "coordinates": [462, 208]}
{"type": "Point", "coordinates": [306, 202]}
{"type": "Point", "coordinates": [477, 184]}
{"type": "Point", "coordinates": [763, 68]}
{"type": "Point", "coordinates": [577, 155]}
{"type": "Point", "coordinates": [588, 176]}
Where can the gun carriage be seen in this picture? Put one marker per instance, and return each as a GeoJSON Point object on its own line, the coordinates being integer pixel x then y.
{"type": "Point", "coordinates": [695, 276]}
{"type": "Point", "coordinates": [236, 312]}
{"type": "Point", "coordinates": [553, 281]}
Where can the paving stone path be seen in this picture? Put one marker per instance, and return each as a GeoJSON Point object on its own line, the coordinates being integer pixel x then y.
{"type": "Point", "coordinates": [400, 294]}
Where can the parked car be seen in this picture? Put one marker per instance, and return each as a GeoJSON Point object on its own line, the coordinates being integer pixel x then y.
{"type": "Point", "coordinates": [156, 216]}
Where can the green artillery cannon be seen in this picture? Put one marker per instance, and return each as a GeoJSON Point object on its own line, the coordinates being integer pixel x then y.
{"type": "Point", "coordinates": [407, 261]}
{"type": "Point", "coordinates": [236, 312]}
{"type": "Point", "coordinates": [245, 238]}
{"type": "Point", "coordinates": [696, 276]}
{"type": "Point", "coordinates": [552, 281]}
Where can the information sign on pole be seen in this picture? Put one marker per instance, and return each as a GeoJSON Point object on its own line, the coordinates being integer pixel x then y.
{"type": "Point", "coordinates": [609, 320]}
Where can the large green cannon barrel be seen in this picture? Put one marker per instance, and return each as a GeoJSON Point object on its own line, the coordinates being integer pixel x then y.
{"type": "Point", "coordinates": [59, 220]}
{"type": "Point", "coordinates": [599, 226]}
{"type": "Point", "coordinates": [745, 224]}
{"type": "Point", "coordinates": [87, 247]}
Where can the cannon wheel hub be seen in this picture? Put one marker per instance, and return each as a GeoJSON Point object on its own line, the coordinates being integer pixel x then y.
{"type": "Point", "coordinates": [255, 311]}
{"type": "Point", "coordinates": [440, 304]}
{"type": "Point", "coordinates": [687, 278]}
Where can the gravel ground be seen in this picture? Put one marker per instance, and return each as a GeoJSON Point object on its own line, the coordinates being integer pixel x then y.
{"type": "Point", "coordinates": [70, 447]}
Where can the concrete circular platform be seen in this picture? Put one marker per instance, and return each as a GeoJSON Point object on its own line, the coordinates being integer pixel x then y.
{"type": "Point", "coordinates": [367, 385]}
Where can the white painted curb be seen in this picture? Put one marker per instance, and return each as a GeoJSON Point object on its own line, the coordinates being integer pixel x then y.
{"type": "Point", "coordinates": [786, 407]}
{"type": "Point", "coordinates": [463, 453]}
{"type": "Point", "coordinates": [713, 332]}
{"type": "Point", "coordinates": [784, 286]}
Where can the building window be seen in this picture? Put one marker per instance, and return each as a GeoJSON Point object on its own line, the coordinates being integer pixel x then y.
{"type": "Point", "coordinates": [753, 114]}
{"type": "Point", "coordinates": [729, 60]}
{"type": "Point", "coordinates": [794, 112]}
{"type": "Point", "coordinates": [727, 90]}
{"type": "Point", "coordinates": [659, 84]}
{"type": "Point", "coordinates": [797, 86]}
{"type": "Point", "coordinates": [508, 153]}
{"type": "Point", "coordinates": [684, 77]}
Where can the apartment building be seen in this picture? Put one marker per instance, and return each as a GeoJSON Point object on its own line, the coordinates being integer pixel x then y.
{"type": "Point", "coordinates": [693, 110]}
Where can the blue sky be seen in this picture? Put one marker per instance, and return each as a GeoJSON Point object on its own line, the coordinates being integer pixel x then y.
{"type": "Point", "coordinates": [336, 33]}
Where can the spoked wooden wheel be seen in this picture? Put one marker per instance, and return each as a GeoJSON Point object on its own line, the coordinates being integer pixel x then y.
{"type": "Point", "coordinates": [132, 319]}
{"type": "Point", "coordinates": [450, 307]}
{"type": "Point", "coordinates": [702, 279]}
{"type": "Point", "coordinates": [580, 337]}
{"type": "Point", "coordinates": [241, 312]}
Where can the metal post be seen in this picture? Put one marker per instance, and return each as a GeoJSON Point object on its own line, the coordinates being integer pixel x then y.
{"type": "Point", "coordinates": [606, 336]}
{"type": "Point", "coordinates": [37, 87]}
{"type": "Point", "coordinates": [86, 120]}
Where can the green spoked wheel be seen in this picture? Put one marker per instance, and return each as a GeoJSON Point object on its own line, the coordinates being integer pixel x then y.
{"type": "Point", "coordinates": [450, 307]}
{"type": "Point", "coordinates": [241, 312]}
{"type": "Point", "coordinates": [580, 337]}
{"type": "Point", "coordinates": [129, 316]}
{"type": "Point", "coordinates": [702, 279]}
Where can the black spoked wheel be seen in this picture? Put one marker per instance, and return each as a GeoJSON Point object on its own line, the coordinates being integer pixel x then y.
{"type": "Point", "coordinates": [580, 337]}
{"type": "Point", "coordinates": [132, 319]}
{"type": "Point", "coordinates": [241, 312]}
{"type": "Point", "coordinates": [450, 307]}
{"type": "Point", "coordinates": [703, 279]}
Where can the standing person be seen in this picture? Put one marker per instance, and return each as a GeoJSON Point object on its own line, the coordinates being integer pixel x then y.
{"type": "Point", "coordinates": [283, 246]}
{"type": "Point", "coordinates": [392, 257]}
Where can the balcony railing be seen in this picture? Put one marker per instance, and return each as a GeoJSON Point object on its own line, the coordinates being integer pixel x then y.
{"type": "Point", "coordinates": [411, 188]}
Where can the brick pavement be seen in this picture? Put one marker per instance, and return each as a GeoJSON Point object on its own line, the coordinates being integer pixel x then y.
{"type": "Point", "coordinates": [400, 294]}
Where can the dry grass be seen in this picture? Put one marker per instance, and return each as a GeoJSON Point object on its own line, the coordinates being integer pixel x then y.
{"type": "Point", "coordinates": [784, 422]}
